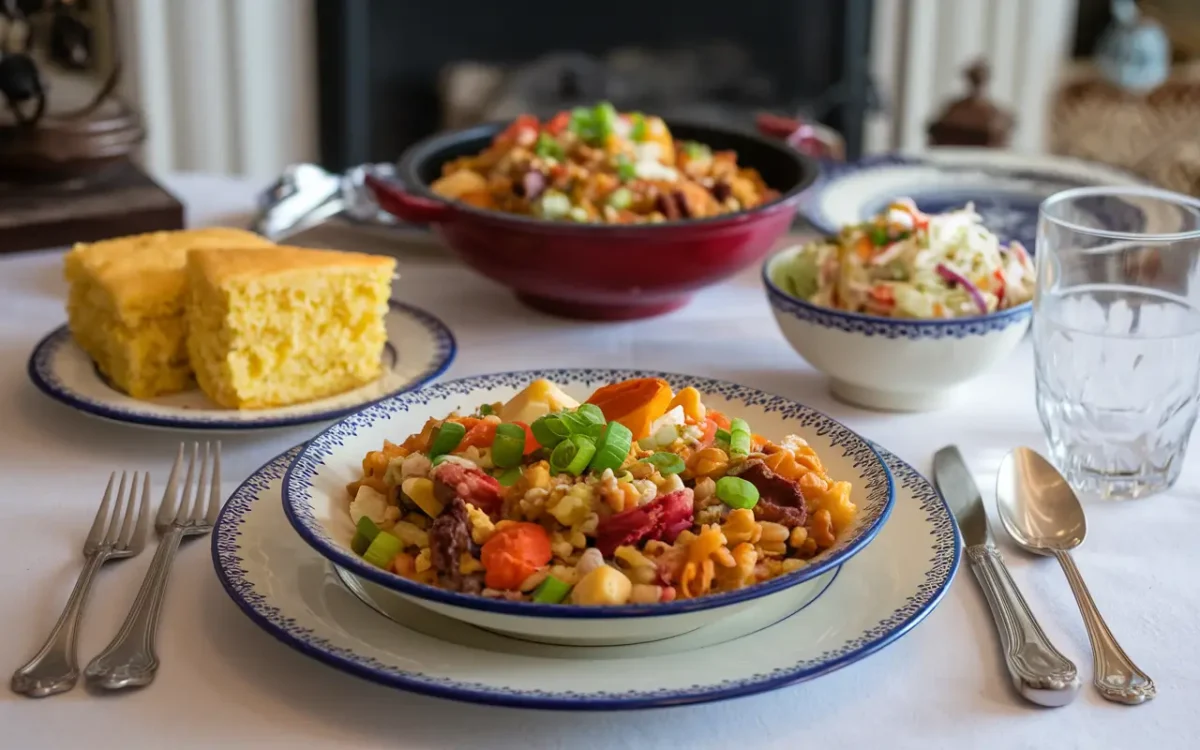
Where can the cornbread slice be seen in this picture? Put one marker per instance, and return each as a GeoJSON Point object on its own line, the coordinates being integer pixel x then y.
{"type": "Point", "coordinates": [286, 324]}
{"type": "Point", "coordinates": [126, 304]}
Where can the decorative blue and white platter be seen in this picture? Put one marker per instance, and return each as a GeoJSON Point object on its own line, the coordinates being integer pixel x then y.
{"type": "Point", "coordinates": [419, 348]}
{"type": "Point", "coordinates": [296, 595]}
{"type": "Point", "coordinates": [1007, 188]}
{"type": "Point", "coordinates": [315, 501]}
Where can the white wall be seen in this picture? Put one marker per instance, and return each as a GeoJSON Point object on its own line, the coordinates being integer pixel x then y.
{"type": "Point", "coordinates": [226, 86]}
{"type": "Point", "coordinates": [921, 48]}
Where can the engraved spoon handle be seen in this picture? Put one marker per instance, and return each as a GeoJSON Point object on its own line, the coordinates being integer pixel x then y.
{"type": "Point", "coordinates": [130, 660]}
{"type": "Point", "coordinates": [54, 669]}
{"type": "Point", "coordinates": [1039, 671]}
{"type": "Point", "coordinates": [1116, 676]}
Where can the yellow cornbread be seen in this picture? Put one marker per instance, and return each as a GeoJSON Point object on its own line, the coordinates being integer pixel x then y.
{"type": "Point", "coordinates": [285, 325]}
{"type": "Point", "coordinates": [126, 304]}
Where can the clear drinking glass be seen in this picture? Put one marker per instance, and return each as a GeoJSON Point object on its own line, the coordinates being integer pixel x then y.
{"type": "Point", "coordinates": [1116, 334]}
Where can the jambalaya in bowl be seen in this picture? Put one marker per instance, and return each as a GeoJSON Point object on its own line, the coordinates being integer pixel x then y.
{"type": "Point", "coordinates": [639, 495]}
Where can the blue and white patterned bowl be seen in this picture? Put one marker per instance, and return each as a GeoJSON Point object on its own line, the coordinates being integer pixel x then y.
{"type": "Point", "coordinates": [315, 501]}
{"type": "Point", "coordinates": [888, 363]}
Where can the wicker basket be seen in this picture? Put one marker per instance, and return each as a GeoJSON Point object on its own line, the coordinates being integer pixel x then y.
{"type": "Point", "coordinates": [1156, 135]}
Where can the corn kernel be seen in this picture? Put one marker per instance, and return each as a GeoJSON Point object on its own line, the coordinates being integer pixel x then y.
{"type": "Point", "coordinates": [424, 561]}
{"type": "Point", "coordinates": [482, 527]}
{"type": "Point", "coordinates": [645, 594]}
{"type": "Point", "coordinates": [791, 565]}
{"type": "Point", "coordinates": [468, 565]}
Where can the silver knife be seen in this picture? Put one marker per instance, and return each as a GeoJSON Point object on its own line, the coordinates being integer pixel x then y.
{"type": "Point", "coordinates": [1039, 671]}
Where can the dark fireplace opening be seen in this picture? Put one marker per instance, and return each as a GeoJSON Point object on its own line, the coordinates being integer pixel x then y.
{"type": "Point", "coordinates": [394, 72]}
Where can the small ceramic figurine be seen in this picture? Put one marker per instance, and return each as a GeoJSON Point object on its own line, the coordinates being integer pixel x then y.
{"type": "Point", "coordinates": [1134, 53]}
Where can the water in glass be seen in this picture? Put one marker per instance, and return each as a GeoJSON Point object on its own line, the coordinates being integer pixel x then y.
{"type": "Point", "coordinates": [1117, 358]}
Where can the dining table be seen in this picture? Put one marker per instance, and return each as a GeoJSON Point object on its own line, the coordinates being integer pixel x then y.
{"type": "Point", "coordinates": [225, 683]}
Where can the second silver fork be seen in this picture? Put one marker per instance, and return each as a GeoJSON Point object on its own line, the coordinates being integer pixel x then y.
{"type": "Point", "coordinates": [130, 660]}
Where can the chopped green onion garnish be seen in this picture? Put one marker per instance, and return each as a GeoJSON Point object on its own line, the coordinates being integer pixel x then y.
{"type": "Point", "coordinates": [359, 544]}
{"type": "Point", "coordinates": [383, 550]}
{"type": "Point", "coordinates": [551, 591]}
{"type": "Point", "coordinates": [879, 236]}
{"type": "Point", "coordinates": [612, 447]}
{"type": "Point", "coordinates": [548, 148]}
{"type": "Point", "coordinates": [581, 122]}
{"type": "Point", "coordinates": [572, 455]}
{"type": "Point", "coordinates": [739, 438]}
{"type": "Point", "coordinates": [553, 204]}
{"type": "Point", "coordinates": [549, 430]}
{"type": "Point", "coordinates": [666, 462]}
{"type": "Point", "coordinates": [486, 410]}
{"type": "Point", "coordinates": [591, 413]}
{"type": "Point", "coordinates": [604, 120]}
{"type": "Point", "coordinates": [694, 150]}
{"type": "Point", "coordinates": [448, 436]}
{"type": "Point", "coordinates": [638, 130]}
{"type": "Point", "coordinates": [626, 171]}
{"type": "Point", "coordinates": [620, 198]}
{"type": "Point", "coordinates": [722, 436]}
{"type": "Point", "coordinates": [509, 477]}
{"type": "Point", "coordinates": [737, 492]}
{"type": "Point", "coordinates": [367, 528]}
{"type": "Point", "coordinates": [586, 420]}
{"type": "Point", "coordinates": [508, 446]}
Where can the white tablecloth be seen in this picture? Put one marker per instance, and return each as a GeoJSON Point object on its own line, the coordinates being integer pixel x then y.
{"type": "Point", "coordinates": [225, 683]}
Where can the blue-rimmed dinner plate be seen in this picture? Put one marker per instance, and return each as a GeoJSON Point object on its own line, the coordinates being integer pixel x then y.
{"type": "Point", "coordinates": [419, 348]}
{"type": "Point", "coordinates": [296, 595]}
{"type": "Point", "coordinates": [1005, 187]}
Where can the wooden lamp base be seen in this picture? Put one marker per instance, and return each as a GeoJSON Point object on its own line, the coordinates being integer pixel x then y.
{"type": "Point", "coordinates": [115, 201]}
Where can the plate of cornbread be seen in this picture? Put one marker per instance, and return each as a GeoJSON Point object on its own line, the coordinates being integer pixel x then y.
{"type": "Point", "coordinates": [220, 329]}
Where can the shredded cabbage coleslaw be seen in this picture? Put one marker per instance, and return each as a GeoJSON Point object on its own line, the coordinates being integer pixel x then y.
{"type": "Point", "coordinates": [907, 264]}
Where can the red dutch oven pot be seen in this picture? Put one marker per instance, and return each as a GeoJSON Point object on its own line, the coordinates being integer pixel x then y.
{"type": "Point", "coordinates": [601, 271]}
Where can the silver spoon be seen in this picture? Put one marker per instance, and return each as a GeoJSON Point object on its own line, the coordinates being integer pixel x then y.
{"type": "Point", "coordinates": [1043, 515]}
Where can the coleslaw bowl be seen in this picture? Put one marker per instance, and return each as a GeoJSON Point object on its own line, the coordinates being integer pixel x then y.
{"type": "Point", "coordinates": [893, 364]}
{"type": "Point", "coordinates": [601, 271]}
{"type": "Point", "coordinates": [315, 502]}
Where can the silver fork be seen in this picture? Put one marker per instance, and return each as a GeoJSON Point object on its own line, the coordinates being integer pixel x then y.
{"type": "Point", "coordinates": [54, 668]}
{"type": "Point", "coordinates": [130, 660]}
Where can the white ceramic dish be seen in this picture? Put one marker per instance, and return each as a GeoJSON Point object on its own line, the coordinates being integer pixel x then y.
{"type": "Point", "coordinates": [295, 595]}
{"type": "Point", "coordinates": [315, 501]}
{"type": "Point", "coordinates": [420, 347]}
{"type": "Point", "coordinates": [893, 364]}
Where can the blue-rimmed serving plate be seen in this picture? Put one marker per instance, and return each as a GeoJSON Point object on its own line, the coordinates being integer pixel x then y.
{"type": "Point", "coordinates": [296, 595]}
{"type": "Point", "coordinates": [419, 348]}
{"type": "Point", "coordinates": [1005, 187]}
{"type": "Point", "coordinates": [315, 500]}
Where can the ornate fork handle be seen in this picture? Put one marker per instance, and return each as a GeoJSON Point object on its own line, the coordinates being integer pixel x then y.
{"type": "Point", "coordinates": [54, 669]}
{"type": "Point", "coordinates": [130, 660]}
{"type": "Point", "coordinates": [1039, 671]}
{"type": "Point", "coordinates": [1116, 676]}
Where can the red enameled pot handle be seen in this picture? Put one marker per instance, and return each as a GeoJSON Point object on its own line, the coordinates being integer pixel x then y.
{"type": "Point", "coordinates": [408, 207]}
